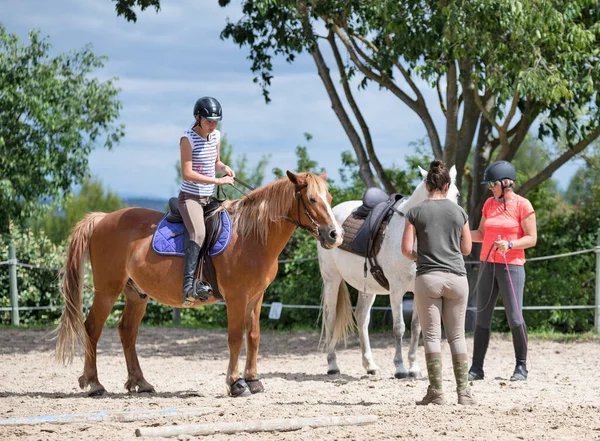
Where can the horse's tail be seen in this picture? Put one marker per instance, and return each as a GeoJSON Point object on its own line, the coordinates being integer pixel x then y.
{"type": "Point", "coordinates": [71, 328]}
{"type": "Point", "coordinates": [344, 325]}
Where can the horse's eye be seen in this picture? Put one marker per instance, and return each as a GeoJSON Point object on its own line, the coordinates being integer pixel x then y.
{"type": "Point", "coordinates": [312, 200]}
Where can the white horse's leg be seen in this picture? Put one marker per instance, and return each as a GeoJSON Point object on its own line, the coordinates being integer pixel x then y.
{"type": "Point", "coordinates": [363, 317]}
{"type": "Point", "coordinates": [398, 329]}
{"type": "Point", "coordinates": [331, 285]}
{"type": "Point", "coordinates": [415, 331]}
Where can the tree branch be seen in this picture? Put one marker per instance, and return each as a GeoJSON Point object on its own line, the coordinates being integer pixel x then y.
{"type": "Point", "coordinates": [452, 115]}
{"type": "Point", "coordinates": [557, 163]}
{"type": "Point", "coordinates": [419, 108]}
{"type": "Point", "coordinates": [364, 170]}
{"type": "Point", "coordinates": [440, 97]}
{"type": "Point", "coordinates": [387, 184]}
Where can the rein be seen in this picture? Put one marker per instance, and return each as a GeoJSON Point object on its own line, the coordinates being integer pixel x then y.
{"type": "Point", "coordinates": [248, 186]}
{"type": "Point", "coordinates": [315, 226]}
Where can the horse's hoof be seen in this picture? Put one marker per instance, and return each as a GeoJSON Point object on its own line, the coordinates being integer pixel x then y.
{"type": "Point", "coordinates": [333, 371]}
{"type": "Point", "coordinates": [148, 390]}
{"type": "Point", "coordinates": [371, 371]}
{"type": "Point", "coordinates": [97, 392]}
{"type": "Point", "coordinates": [414, 374]}
{"type": "Point", "coordinates": [401, 375]}
{"type": "Point", "coordinates": [255, 385]}
{"type": "Point", "coordinates": [239, 388]}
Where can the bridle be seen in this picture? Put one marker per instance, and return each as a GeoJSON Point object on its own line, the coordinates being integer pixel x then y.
{"type": "Point", "coordinates": [314, 230]}
{"type": "Point", "coordinates": [315, 225]}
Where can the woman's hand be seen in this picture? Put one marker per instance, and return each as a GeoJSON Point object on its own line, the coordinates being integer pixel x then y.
{"type": "Point", "coordinates": [225, 180]}
{"type": "Point", "coordinates": [502, 245]}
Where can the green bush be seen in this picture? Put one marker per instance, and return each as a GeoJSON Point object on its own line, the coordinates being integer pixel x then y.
{"type": "Point", "coordinates": [36, 287]}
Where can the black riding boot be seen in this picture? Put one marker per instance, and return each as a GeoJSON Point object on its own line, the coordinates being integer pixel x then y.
{"type": "Point", "coordinates": [481, 341]}
{"type": "Point", "coordinates": [191, 292]}
{"type": "Point", "coordinates": [519, 337]}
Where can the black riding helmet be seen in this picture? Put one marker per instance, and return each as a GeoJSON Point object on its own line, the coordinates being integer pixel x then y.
{"type": "Point", "coordinates": [208, 108]}
{"type": "Point", "coordinates": [499, 170]}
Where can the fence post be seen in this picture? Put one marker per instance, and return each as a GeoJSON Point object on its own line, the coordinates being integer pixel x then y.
{"type": "Point", "coordinates": [12, 280]}
{"type": "Point", "coordinates": [177, 316]}
{"type": "Point", "coordinates": [597, 310]}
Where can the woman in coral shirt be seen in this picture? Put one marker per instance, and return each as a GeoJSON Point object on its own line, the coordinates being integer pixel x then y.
{"type": "Point", "coordinates": [507, 228]}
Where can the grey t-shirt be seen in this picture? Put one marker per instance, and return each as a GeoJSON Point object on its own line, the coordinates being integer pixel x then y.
{"type": "Point", "coordinates": [439, 224]}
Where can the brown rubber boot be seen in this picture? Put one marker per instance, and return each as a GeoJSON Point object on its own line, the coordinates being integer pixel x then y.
{"type": "Point", "coordinates": [460, 364]}
{"type": "Point", "coordinates": [434, 395]}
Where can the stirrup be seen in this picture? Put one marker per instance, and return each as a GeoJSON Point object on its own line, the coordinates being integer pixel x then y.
{"type": "Point", "coordinates": [200, 291]}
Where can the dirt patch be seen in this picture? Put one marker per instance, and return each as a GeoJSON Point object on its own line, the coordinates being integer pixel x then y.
{"type": "Point", "coordinates": [560, 401]}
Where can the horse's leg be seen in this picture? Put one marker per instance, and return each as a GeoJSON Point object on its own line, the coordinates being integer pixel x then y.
{"type": "Point", "coordinates": [398, 330]}
{"type": "Point", "coordinates": [331, 287]}
{"type": "Point", "coordinates": [104, 300]}
{"type": "Point", "coordinates": [252, 343]}
{"type": "Point", "coordinates": [363, 317]}
{"type": "Point", "coordinates": [135, 308]}
{"type": "Point", "coordinates": [415, 331]}
{"type": "Point", "coordinates": [236, 312]}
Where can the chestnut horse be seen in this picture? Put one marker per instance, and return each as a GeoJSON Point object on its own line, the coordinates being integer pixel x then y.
{"type": "Point", "coordinates": [122, 260]}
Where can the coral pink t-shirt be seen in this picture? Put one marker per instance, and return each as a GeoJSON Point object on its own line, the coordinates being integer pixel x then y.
{"type": "Point", "coordinates": [507, 225]}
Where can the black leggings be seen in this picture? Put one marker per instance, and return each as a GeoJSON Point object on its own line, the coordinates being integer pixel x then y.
{"type": "Point", "coordinates": [493, 279]}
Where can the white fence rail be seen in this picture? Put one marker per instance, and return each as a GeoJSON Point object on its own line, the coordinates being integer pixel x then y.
{"type": "Point", "coordinates": [15, 308]}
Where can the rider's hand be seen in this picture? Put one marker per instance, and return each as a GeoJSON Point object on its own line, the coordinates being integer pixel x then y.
{"type": "Point", "coordinates": [225, 180]}
{"type": "Point", "coordinates": [229, 172]}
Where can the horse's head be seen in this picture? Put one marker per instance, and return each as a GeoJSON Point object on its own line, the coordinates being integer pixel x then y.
{"type": "Point", "coordinates": [452, 189]}
{"type": "Point", "coordinates": [312, 209]}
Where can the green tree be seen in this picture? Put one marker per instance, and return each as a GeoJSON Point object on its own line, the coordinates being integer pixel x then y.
{"type": "Point", "coordinates": [504, 65]}
{"type": "Point", "coordinates": [53, 113]}
{"type": "Point", "coordinates": [58, 224]}
{"type": "Point", "coordinates": [584, 187]}
{"type": "Point", "coordinates": [499, 68]}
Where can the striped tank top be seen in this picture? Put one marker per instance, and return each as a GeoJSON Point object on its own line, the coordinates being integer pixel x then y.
{"type": "Point", "coordinates": [204, 156]}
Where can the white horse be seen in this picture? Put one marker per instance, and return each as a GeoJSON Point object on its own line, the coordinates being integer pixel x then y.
{"type": "Point", "coordinates": [337, 266]}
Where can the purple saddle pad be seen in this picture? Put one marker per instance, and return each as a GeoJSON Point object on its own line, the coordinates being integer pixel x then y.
{"type": "Point", "coordinates": [169, 237]}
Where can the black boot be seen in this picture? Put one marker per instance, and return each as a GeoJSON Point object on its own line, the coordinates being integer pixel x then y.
{"type": "Point", "coordinates": [519, 337]}
{"type": "Point", "coordinates": [191, 292]}
{"type": "Point", "coordinates": [481, 341]}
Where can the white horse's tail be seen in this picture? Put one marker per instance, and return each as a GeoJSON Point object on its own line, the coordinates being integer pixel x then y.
{"type": "Point", "coordinates": [344, 325]}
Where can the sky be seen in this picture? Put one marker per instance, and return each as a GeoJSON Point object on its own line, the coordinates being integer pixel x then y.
{"type": "Point", "coordinates": [167, 60]}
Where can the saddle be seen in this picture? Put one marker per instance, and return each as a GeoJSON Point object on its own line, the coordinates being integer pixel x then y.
{"type": "Point", "coordinates": [365, 228]}
{"type": "Point", "coordinates": [214, 227]}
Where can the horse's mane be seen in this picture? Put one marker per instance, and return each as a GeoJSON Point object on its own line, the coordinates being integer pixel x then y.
{"type": "Point", "coordinates": [266, 205]}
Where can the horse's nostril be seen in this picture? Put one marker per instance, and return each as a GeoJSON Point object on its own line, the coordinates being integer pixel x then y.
{"type": "Point", "coordinates": [333, 234]}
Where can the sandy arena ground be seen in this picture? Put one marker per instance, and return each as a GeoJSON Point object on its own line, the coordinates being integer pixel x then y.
{"type": "Point", "coordinates": [560, 401]}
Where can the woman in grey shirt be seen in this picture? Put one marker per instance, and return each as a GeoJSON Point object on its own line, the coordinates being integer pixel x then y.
{"type": "Point", "coordinates": [442, 232]}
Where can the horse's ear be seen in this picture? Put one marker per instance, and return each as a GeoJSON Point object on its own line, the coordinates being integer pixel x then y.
{"type": "Point", "coordinates": [423, 172]}
{"type": "Point", "coordinates": [324, 176]}
{"type": "Point", "coordinates": [453, 173]}
{"type": "Point", "coordinates": [296, 179]}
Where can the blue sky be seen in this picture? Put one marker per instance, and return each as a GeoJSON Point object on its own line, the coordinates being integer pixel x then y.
{"type": "Point", "coordinates": [166, 61]}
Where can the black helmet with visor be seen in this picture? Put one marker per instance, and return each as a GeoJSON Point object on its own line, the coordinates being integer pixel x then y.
{"type": "Point", "coordinates": [499, 170]}
{"type": "Point", "coordinates": [208, 108]}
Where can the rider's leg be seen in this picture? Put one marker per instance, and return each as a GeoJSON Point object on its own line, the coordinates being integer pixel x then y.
{"type": "Point", "coordinates": [190, 208]}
